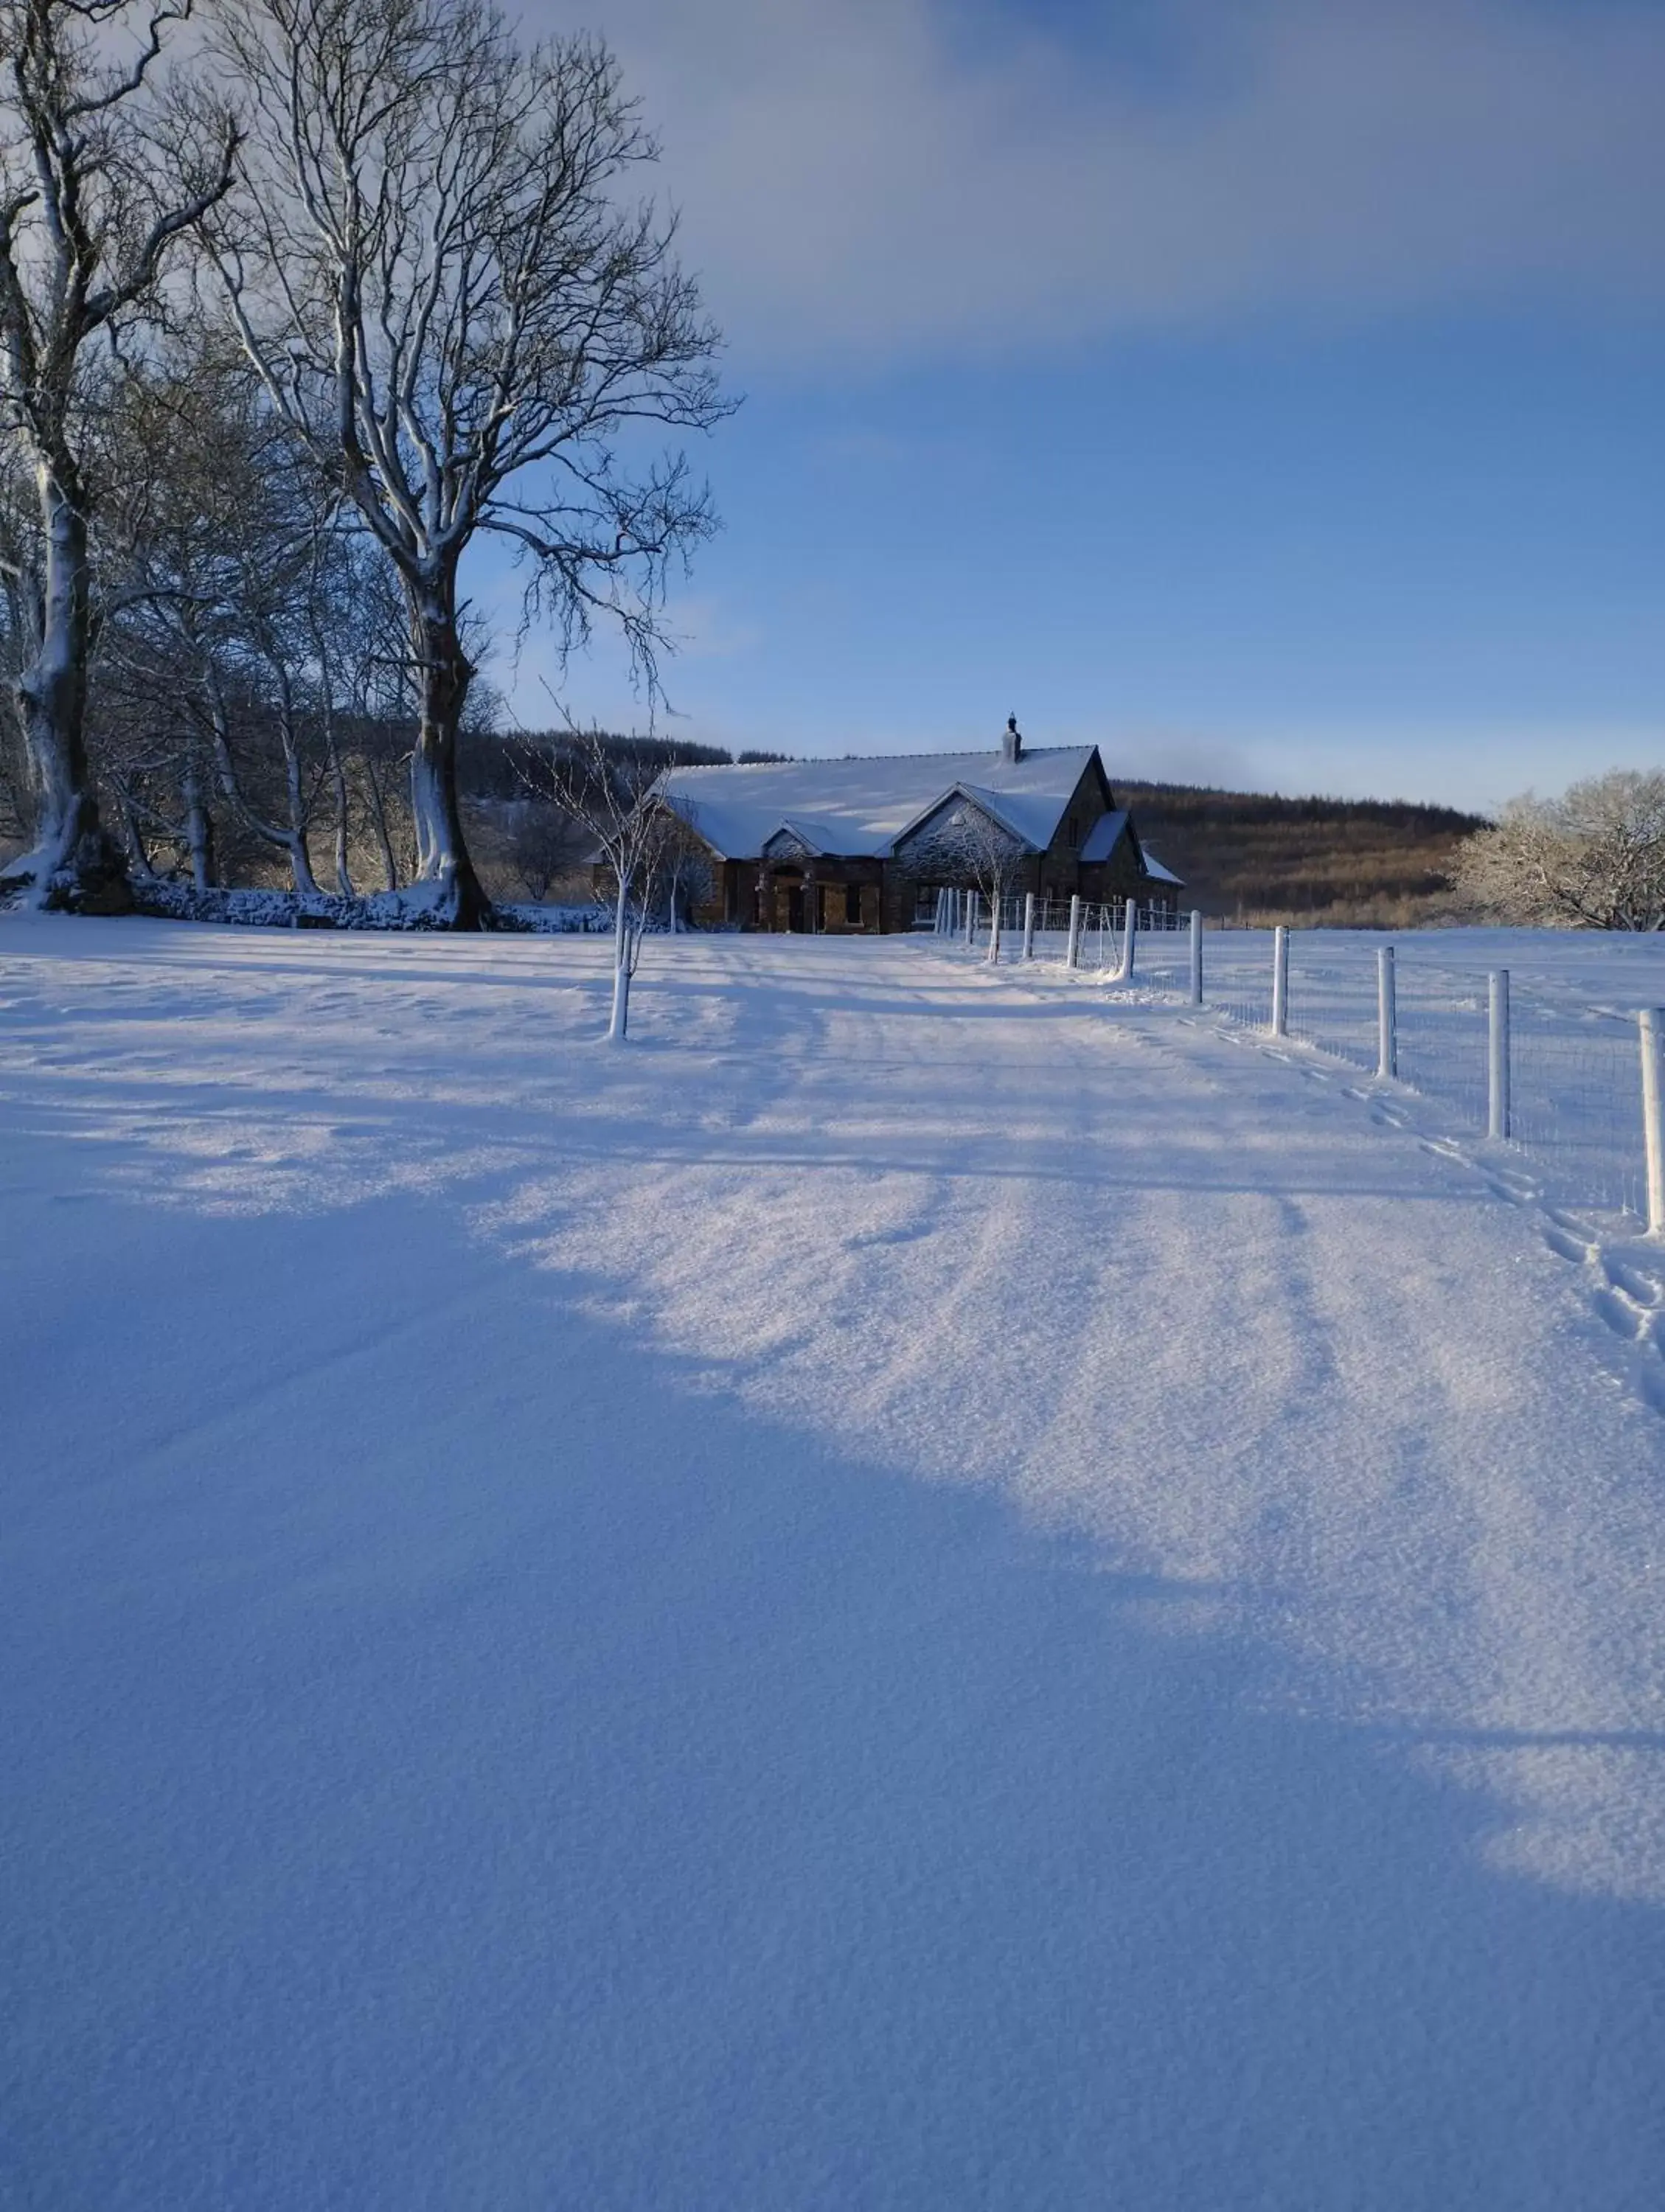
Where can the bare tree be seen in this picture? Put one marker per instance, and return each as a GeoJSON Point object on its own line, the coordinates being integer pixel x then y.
{"type": "Point", "coordinates": [1594, 859]}
{"type": "Point", "coordinates": [430, 269]}
{"type": "Point", "coordinates": [100, 178]}
{"type": "Point", "coordinates": [536, 843]}
{"type": "Point", "coordinates": [254, 649]}
{"type": "Point", "coordinates": [966, 840]}
{"type": "Point", "coordinates": [614, 791]}
{"type": "Point", "coordinates": [222, 566]}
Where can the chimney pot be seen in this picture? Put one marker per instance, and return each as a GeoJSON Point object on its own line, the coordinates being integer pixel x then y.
{"type": "Point", "coordinates": [1012, 744]}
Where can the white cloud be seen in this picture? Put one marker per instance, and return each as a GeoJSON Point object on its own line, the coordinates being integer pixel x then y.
{"type": "Point", "coordinates": [889, 179]}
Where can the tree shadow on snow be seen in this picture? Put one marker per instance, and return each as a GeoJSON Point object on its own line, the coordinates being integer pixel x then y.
{"type": "Point", "coordinates": [473, 1760]}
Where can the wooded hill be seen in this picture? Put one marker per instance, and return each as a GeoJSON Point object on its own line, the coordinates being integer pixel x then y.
{"type": "Point", "coordinates": [1340, 863]}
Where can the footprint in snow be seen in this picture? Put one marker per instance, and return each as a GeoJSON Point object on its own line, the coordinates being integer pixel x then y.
{"type": "Point", "coordinates": [1620, 1314]}
{"type": "Point", "coordinates": [1643, 1289]}
{"type": "Point", "coordinates": [1567, 1246]}
{"type": "Point", "coordinates": [1517, 1190]}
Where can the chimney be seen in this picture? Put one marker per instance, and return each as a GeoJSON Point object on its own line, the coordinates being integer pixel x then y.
{"type": "Point", "coordinates": [1011, 741]}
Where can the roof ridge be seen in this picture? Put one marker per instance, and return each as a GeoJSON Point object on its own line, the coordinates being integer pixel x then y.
{"type": "Point", "coordinates": [843, 760]}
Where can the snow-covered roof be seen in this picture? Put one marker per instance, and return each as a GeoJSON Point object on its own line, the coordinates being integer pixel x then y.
{"type": "Point", "coordinates": [1104, 835]}
{"type": "Point", "coordinates": [857, 809]}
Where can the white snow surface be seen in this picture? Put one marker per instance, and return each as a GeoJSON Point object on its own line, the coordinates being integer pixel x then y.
{"type": "Point", "coordinates": [924, 1588]}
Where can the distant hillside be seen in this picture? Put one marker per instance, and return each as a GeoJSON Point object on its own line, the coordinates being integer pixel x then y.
{"type": "Point", "coordinates": [1338, 863]}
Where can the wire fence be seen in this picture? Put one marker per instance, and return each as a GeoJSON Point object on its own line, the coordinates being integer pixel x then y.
{"type": "Point", "coordinates": [1533, 1068]}
{"type": "Point", "coordinates": [1044, 929]}
{"type": "Point", "coordinates": [1547, 1074]}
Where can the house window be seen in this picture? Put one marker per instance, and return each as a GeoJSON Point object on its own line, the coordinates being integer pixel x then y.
{"type": "Point", "coordinates": [1072, 832]}
{"type": "Point", "coordinates": [853, 905]}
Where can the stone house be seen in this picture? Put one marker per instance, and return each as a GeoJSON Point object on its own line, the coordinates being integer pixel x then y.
{"type": "Point", "coordinates": [845, 846]}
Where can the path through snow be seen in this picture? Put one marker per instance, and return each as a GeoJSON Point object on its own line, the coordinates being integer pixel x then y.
{"type": "Point", "coordinates": [920, 1590]}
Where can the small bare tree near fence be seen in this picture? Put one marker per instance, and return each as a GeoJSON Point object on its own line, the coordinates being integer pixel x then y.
{"type": "Point", "coordinates": [615, 794]}
{"type": "Point", "coordinates": [967, 840]}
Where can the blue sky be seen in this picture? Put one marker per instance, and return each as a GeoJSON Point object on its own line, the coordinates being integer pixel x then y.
{"type": "Point", "coordinates": [1272, 392]}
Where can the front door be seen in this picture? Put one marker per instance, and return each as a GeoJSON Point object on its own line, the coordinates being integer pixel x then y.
{"type": "Point", "coordinates": [788, 899]}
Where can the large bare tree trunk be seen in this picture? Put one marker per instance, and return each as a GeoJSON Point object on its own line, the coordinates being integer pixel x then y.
{"type": "Point", "coordinates": [390, 867]}
{"type": "Point", "coordinates": [73, 863]}
{"type": "Point", "coordinates": [445, 672]}
{"type": "Point", "coordinates": [290, 840]}
{"type": "Point", "coordinates": [343, 879]}
{"type": "Point", "coordinates": [199, 833]}
{"type": "Point", "coordinates": [300, 863]}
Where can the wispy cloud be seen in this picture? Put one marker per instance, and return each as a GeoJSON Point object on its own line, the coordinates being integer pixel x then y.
{"type": "Point", "coordinates": [895, 179]}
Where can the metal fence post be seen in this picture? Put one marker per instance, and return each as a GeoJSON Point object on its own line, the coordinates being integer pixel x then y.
{"type": "Point", "coordinates": [1497, 1087]}
{"type": "Point", "coordinates": [1073, 954]}
{"type": "Point", "coordinates": [1280, 982]}
{"type": "Point", "coordinates": [1651, 1023]}
{"type": "Point", "coordinates": [1029, 925]}
{"type": "Point", "coordinates": [1196, 957]}
{"type": "Point", "coordinates": [1387, 1018]}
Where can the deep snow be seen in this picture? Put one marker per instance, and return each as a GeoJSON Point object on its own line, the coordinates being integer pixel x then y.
{"type": "Point", "coordinates": [923, 1589]}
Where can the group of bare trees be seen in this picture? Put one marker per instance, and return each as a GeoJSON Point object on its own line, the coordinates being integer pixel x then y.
{"type": "Point", "coordinates": [1593, 859]}
{"type": "Point", "coordinates": [299, 300]}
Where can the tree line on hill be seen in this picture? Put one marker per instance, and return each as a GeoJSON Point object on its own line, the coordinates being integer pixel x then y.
{"type": "Point", "coordinates": [1253, 857]}
{"type": "Point", "coordinates": [292, 318]}
{"type": "Point", "coordinates": [1592, 858]}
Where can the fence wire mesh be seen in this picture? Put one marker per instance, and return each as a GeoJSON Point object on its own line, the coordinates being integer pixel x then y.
{"type": "Point", "coordinates": [1575, 1067]}
{"type": "Point", "coordinates": [1161, 937]}
{"type": "Point", "coordinates": [1575, 1109]}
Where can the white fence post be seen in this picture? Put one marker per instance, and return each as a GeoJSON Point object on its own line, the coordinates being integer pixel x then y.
{"type": "Point", "coordinates": [1029, 925]}
{"type": "Point", "coordinates": [1651, 1023]}
{"type": "Point", "coordinates": [1130, 936]}
{"type": "Point", "coordinates": [1496, 1086]}
{"type": "Point", "coordinates": [1280, 982]}
{"type": "Point", "coordinates": [1073, 954]}
{"type": "Point", "coordinates": [971, 919]}
{"type": "Point", "coordinates": [1387, 1018]}
{"type": "Point", "coordinates": [1196, 957]}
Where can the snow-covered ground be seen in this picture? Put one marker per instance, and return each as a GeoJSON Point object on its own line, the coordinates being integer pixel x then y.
{"type": "Point", "coordinates": [1577, 1089]}
{"type": "Point", "coordinates": [925, 1588]}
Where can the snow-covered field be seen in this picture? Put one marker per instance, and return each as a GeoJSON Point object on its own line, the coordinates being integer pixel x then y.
{"type": "Point", "coordinates": [1576, 1090]}
{"type": "Point", "coordinates": [925, 1588]}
